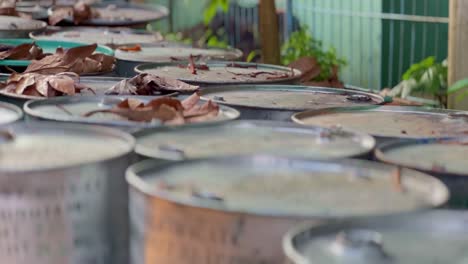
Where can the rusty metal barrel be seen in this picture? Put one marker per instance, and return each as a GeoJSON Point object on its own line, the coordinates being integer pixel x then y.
{"type": "Point", "coordinates": [236, 209]}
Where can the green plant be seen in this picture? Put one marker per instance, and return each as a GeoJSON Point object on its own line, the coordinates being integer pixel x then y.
{"type": "Point", "coordinates": [212, 9]}
{"type": "Point", "coordinates": [428, 77]}
{"type": "Point", "coordinates": [302, 44]}
{"type": "Point", "coordinates": [178, 37]}
{"type": "Point", "coordinates": [459, 87]}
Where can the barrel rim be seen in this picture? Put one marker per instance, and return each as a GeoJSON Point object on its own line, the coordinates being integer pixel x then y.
{"type": "Point", "coordinates": [278, 87]}
{"type": "Point", "coordinates": [299, 117]}
{"type": "Point", "coordinates": [140, 149]}
{"type": "Point", "coordinates": [19, 113]}
{"type": "Point", "coordinates": [128, 140]}
{"type": "Point", "coordinates": [380, 153]}
{"type": "Point", "coordinates": [440, 194]}
{"type": "Point", "coordinates": [217, 63]}
{"type": "Point", "coordinates": [227, 113]}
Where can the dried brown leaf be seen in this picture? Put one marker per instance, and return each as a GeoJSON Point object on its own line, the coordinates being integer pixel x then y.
{"type": "Point", "coordinates": [148, 84]}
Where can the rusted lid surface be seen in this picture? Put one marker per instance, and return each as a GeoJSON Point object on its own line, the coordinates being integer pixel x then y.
{"type": "Point", "coordinates": [167, 52]}
{"type": "Point", "coordinates": [438, 156]}
{"type": "Point", "coordinates": [439, 236]}
{"type": "Point", "coordinates": [222, 72]}
{"type": "Point", "coordinates": [391, 121]}
{"type": "Point", "coordinates": [288, 97]}
{"type": "Point", "coordinates": [276, 186]}
{"type": "Point", "coordinates": [73, 109]}
{"type": "Point", "coordinates": [40, 146]}
{"type": "Point", "coordinates": [251, 137]}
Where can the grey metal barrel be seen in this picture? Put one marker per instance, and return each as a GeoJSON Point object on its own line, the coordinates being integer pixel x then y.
{"type": "Point", "coordinates": [280, 102]}
{"type": "Point", "coordinates": [63, 197]}
{"type": "Point", "coordinates": [439, 236]}
{"type": "Point", "coordinates": [390, 122]}
{"type": "Point", "coordinates": [251, 137]}
{"type": "Point", "coordinates": [443, 158]}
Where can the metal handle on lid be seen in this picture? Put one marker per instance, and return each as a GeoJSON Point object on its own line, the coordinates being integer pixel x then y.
{"type": "Point", "coordinates": [360, 246]}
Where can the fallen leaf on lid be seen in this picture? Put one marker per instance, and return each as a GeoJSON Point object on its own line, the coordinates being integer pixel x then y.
{"type": "Point", "coordinates": [148, 84]}
{"type": "Point", "coordinates": [134, 48]}
{"type": "Point", "coordinates": [80, 12]}
{"type": "Point", "coordinates": [26, 51]}
{"type": "Point", "coordinates": [168, 110]}
{"type": "Point", "coordinates": [80, 60]}
{"type": "Point", "coordinates": [35, 84]}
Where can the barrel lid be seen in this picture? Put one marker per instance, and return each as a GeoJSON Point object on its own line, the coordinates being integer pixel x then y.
{"type": "Point", "coordinates": [446, 156]}
{"type": "Point", "coordinates": [279, 186]}
{"type": "Point", "coordinates": [103, 36]}
{"type": "Point", "coordinates": [439, 236]}
{"type": "Point", "coordinates": [99, 85]}
{"type": "Point", "coordinates": [222, 72]}
{"type": "Point", "coordinates": [251, 137]}
{"type": "Point", "coordinates": [48, 46]}
{"type": "Point", "coordinates": [35, 146]}
{"type": "Point", "coordinates": [72, 109]}
{"type": "Point", "coordinates": [123, 14]}
{"type": "Point", "coordinates": [288, 97]}
{"type": "Point", "coordinates": [390, 121]}
{"type": "Point", "coordinates": [167, 52]}
{"type": "Point", "coordinates": [9, 113]}
{"type": "Point", "coordinates": [9, 23]}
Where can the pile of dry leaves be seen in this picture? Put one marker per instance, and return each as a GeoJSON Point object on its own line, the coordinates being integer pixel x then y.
{"type": "Point", "coordinates": [80, 12]}
{"type": "Point", "coordinates": [80, 60]}
{"type": "Point", "coordinates": [148, 84]}
{"type": "Point", "coordinates": [27, 51]}
{"type": "Point", "coordinates": [165, 109]}
{"type": "Point", "coordinates": [34, 84]}
{"type": "Point", "coordinates": [310, 69]}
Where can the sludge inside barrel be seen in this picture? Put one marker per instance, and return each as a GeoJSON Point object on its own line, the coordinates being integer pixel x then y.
{"type": "Point", "coordinates": [235, 210]}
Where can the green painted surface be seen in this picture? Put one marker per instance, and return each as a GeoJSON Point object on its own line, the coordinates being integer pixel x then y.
{"type": "Point", "coordinates": [404, 43]}
{"type": "Point", "coordinates": [357, 39]}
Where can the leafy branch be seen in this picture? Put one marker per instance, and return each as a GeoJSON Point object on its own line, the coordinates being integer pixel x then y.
{"type": "Point", "coordinates": [302, 44]}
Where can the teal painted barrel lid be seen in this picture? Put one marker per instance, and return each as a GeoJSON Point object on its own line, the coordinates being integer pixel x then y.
{"type": "Point", "coordinates": [48, 46]}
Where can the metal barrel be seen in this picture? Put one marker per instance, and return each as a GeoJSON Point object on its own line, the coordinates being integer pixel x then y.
{"type": "Point", "coordinates": [216, 73]}
{"type": "Point", "coordinates": [391, 240]}
{"type": "Point", "coordinates": [442, 158]}
{"type": "Point", "coordinates": [63, 197]}
{"type": "Point", "coordinates": [251, 137]}
{"type": "Point", "coordinates": [387, 123]}
{"type": "Point", "coordinates": [280, 102]}
{"type": "Point", "coordinates": [72, 110]}
{"type": "Point", "coordinates": [236, 209]}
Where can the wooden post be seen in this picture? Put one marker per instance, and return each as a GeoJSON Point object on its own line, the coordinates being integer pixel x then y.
{"type": "Point", "coordinates": [458, 53]}
{"type": "Point", "coordinates": [269, 32]}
